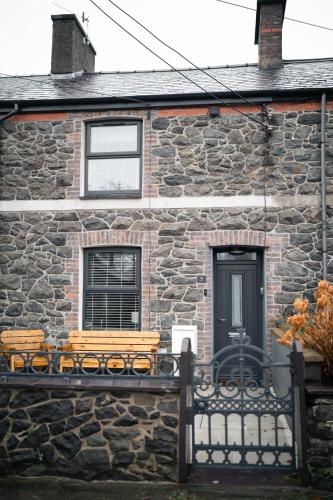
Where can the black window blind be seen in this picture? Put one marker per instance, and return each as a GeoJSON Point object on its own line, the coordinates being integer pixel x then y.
{"type": "Point", "coordinates": [112, 289]}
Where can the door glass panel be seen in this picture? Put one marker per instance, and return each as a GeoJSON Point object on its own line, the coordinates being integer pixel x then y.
{"type": "Point", "coordinates": [236, 300]}
{"type": "Point", "coordinates": [238, 255]}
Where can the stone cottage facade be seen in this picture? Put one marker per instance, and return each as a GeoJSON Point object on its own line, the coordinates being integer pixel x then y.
{"type": "Point", "coordinates": [135, 201]}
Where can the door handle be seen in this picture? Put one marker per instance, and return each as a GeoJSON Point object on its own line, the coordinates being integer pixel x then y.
{"type": "Point", "coordinates": [223, 320]}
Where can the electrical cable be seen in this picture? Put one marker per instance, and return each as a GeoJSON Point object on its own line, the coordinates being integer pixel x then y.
{"type": "Point", "coordinates": [64, 82]}
{"type": "Point", "coordinates": [175, 69]}
{"type": "Point", "coordinates": [276, 15]}
{"type": "Point", "coordinates": [182, 56]}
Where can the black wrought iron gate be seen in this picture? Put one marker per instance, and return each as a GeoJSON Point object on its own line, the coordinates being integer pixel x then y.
{"type": "Point", "coordinates": [242, 418]}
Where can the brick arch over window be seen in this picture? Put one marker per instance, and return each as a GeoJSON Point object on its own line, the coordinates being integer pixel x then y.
{"type": "Point", "coordinates": [79, 241]}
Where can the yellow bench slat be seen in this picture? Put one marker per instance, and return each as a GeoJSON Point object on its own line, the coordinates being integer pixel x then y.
{"type": "Point", "coordinates": [9, 335]}
{"type": "Point", "coordinates": [24, 340]}
{"type": "Point", "coordinates": [112, 334]}
{"type": "Point", "coordinates": [114, 340]}
{"type": "Point", "coordinates": [25, 346]}
{"type": "Point", "coordinates": [127, 343]}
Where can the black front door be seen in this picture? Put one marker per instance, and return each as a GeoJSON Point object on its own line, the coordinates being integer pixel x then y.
{"type": "Point", "coordinates": [238, 300]}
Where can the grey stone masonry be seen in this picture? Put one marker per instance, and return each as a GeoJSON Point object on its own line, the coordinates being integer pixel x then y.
{"type": "Point", "coordinates": [185, 155]}
{"type": "Point", "coordinates": [202, 156]}
{"type": "Point", "coordinates": [320, 438]}
{"type": "Point", "coordinates": [89, 435]}
{"type": "Point", "coordinates": [40, 260]}
{"type": "Point", "coordinates": [34, 160]}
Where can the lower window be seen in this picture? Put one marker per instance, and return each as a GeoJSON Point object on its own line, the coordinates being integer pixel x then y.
{"type": "Point", "coordinates": [112, 291]}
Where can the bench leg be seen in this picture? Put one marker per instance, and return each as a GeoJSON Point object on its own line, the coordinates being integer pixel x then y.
{"type": "Point", "coordinates": [61, 367]}
{"type": "Point", "coordinates": [153, 361]}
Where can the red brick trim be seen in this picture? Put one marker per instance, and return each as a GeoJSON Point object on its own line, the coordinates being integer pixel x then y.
{"type": "Point", "coordinates": [271, 30]}
{"type": "Point", "coordinates": [40, 117]}
{"type": "Point", "coordinates": [277, 106]}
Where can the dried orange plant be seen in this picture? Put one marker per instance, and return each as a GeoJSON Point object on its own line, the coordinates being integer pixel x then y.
{"type": "Point", "coordinates": [314, 329]}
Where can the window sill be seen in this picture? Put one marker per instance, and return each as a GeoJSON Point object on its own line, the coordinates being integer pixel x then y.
{"type": "Point", "coordinates": [110, 196]}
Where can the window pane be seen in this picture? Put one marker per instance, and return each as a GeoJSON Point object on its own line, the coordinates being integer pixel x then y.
{"type": "Point", "coordinates": [114, 139]}
{"type": "Point", "coordinates": [241, 255]}
{"type": "Point", "coordinates": [107, 311]}
{"type": "Point", "coordinates": [116, 174]}
{"type": "Point", "coordinates": [236, 298]}
{"type": "Point", "coordinates": [112, 269]}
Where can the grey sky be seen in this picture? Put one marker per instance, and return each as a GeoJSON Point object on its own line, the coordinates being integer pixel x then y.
{"type": "Point", "coordinates": [208, 32]}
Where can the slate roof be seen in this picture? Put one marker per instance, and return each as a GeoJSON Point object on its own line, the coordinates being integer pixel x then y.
{"type": "Point", "coordinates": [299, 75]}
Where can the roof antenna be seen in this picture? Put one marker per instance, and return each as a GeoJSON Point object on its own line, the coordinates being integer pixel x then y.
{"type": "Point", "coordinates": [86, 20]}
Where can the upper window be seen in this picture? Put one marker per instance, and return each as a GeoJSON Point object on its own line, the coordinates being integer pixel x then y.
{"type": "Point", "coordinates": [113, 158]}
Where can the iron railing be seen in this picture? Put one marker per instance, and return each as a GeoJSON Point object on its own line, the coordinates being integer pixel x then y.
{"type": "Point", "coordinates": [92, 364]}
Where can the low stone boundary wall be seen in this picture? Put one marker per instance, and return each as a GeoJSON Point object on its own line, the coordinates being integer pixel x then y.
{"type": "Point", "coordinates": [319, 402]}
{"type": "Point", "coordinates": [86, 434]}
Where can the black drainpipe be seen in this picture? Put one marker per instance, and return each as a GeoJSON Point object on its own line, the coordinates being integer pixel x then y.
{"type": "Point", "coordinates": [323, 184]}
{"type": "Point", "coordinates": [11, 113]}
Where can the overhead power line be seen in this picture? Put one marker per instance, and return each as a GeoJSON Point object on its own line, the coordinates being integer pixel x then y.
{"type": "Point", "coordinates": [72, 84]}
{"type": "Point", "coordinates": [277, 15]}
{"type": "Point", "coordinates": [175, 69]}
{"type": "Point", "coordinates": [63, 8]}
{"type": "Point", "coordinates": [182, 55]}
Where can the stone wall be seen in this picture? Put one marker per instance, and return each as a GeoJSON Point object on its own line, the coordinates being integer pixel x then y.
{"type": "Point", "coordinates": [320, 439]}
{"type": "Point", "coordinates": [89, 435]}
{"type": "Point", "coordinates": [34, 159]}
{"type": "Point", "coordinates": [186, 152]}
{"type": "Point", "coordinates": [40, 261]}
{"type": "Point", "coordinates": [202, 156]}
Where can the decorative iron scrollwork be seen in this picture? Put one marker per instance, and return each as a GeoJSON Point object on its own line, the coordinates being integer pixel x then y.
{"type": "Point", "coordinates": [238, 420]}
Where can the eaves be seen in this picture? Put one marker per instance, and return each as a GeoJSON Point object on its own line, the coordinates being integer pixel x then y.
{"type": "Point", "coordinates": [160, 101]}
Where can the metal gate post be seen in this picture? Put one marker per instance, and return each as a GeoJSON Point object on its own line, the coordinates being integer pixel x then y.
{"type": "Point", "coordinates": [300, 411]}
{"type": "Point", "coordinates": [185, 384]}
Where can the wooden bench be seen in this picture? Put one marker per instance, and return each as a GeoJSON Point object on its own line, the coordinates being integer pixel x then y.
{"type": "Point", "coordinates": [106, 345]}
{"type": "Point", "coordinates": [31, 341]}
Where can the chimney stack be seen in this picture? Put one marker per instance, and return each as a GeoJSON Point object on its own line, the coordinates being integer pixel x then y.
{"type": "Point", "coordinates": [72, 52]}
{"type": "Point", "coordinates": [268, 35]}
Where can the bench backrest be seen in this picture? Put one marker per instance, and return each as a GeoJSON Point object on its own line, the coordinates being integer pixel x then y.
{"type": "Point", "coordinates": [23, 340]}
{"type": "Point", "coordinates": [113, 341]}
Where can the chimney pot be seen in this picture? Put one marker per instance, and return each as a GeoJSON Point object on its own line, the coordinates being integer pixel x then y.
{"type": "Point", "coordinates": [70, 51]}
{"type": "Point", "coordinates": [268, 36]}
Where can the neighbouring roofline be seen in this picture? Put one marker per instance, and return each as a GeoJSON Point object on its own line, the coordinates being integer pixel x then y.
{"type": "Point", "coordinates": [161, 88]}
{"type": "Point", "coordinates": [167, 70]}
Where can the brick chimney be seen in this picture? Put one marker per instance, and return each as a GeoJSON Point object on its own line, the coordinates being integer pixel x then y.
{"type": "Point", "coordinates": [72, 51]}
{"type": "Point", "coordinates": [268, 35]}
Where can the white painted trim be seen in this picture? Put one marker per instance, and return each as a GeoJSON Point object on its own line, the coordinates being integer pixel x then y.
{"type": "Point", "coordinates": [163, 202]}
{"type": "Point", "coordinates": [141, 203]}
